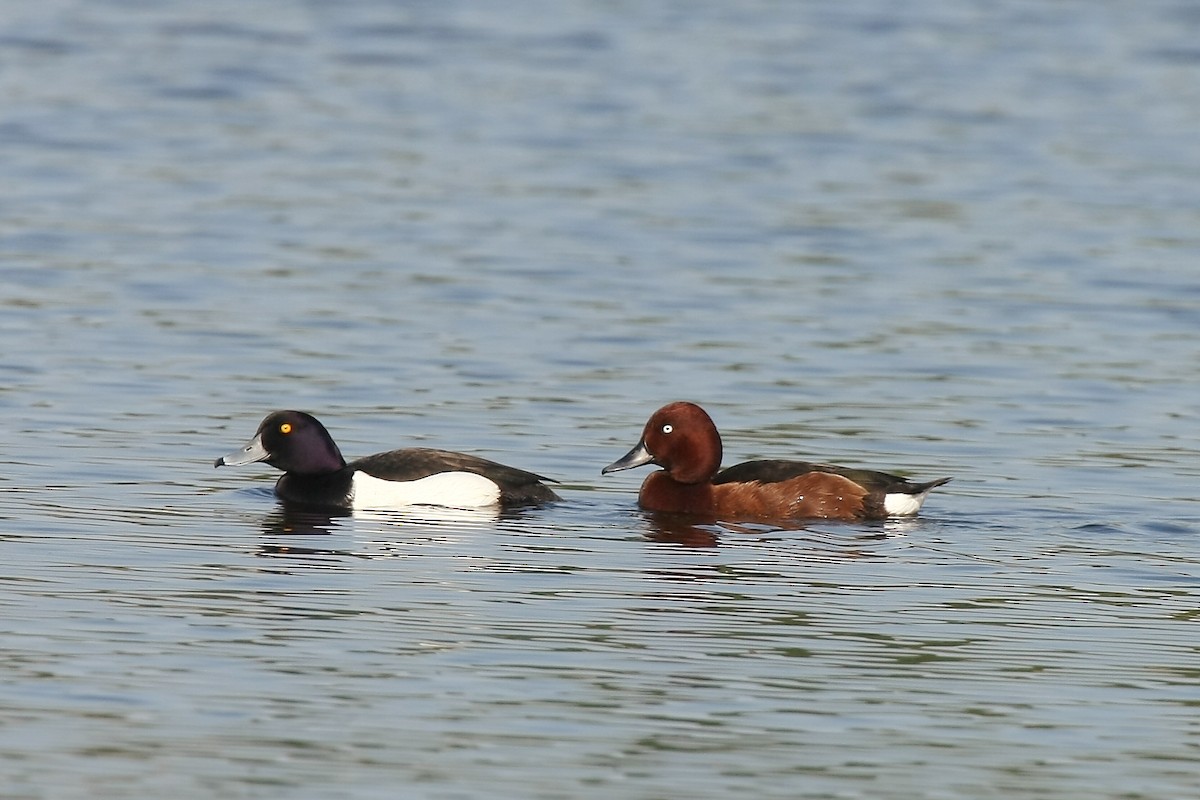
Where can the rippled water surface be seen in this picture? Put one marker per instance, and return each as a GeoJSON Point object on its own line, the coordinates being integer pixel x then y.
{"type": "Point", "coordinates": [936, 238]}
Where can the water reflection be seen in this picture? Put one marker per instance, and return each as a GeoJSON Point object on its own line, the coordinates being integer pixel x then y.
{"type": "Point", "coordinates": [296, 524]}
{"type": "Point", "coordinates": [683, 529]}
{"type": "Point", "coordinates": [287, 525]}
{"type": "Point", "coordinates": [436, 515]}
{"type": "Point", "coordinates": [293, 521]}
{"type": "Point", "coordinates": [692, 530]}
{"type": "Point", "coordinates": [293, 551]}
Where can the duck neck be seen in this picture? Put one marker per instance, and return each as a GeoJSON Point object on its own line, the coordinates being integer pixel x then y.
{"type": "Point", "coordinates": [661, 492]}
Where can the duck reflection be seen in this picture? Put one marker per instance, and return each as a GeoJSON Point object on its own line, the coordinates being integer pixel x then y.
{"type": "Point", "coordinates": [682, 529]}
{"type": "Point", "coordinates": [289, 524]}
{"type": "Point", "coordinates": [286, 523]}
{"type": "Point", "coordinates": [698, 530]}
{"type": "Point", "coordinates": [288, 520]}
{"type": "Point", "coordinates": [691, 530]}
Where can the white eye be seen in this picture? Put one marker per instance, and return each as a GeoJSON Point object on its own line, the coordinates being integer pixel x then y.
{"type": "Point", "coordinates": [667, 429]}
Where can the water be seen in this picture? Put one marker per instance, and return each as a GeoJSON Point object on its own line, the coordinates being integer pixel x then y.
{"type": "Point", "coordinates": [943, 239]}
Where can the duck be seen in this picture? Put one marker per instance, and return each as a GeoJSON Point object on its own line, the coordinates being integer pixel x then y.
{"type": "Point", "coordinates": [315, 475]}
{"type": "Point", "coordinates": [681, 438]}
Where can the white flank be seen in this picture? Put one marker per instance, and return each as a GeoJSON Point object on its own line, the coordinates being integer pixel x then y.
{"type": "Point", "coordinates": [899, 504]}
{"type": "Point", "coordinates": [450, 489]}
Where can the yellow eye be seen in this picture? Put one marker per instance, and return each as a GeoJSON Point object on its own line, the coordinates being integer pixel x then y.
{"type": "Point", "coordinates": [285, 427]}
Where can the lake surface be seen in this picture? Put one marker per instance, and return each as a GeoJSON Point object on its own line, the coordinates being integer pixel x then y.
{"type": "Point", "coordinates": [935, 238]}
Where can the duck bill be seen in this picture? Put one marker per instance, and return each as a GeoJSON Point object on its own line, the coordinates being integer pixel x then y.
{"type": "Point", "coordinates": [251, 453]}
{"type": "Point", "coordinates": [636, 457]}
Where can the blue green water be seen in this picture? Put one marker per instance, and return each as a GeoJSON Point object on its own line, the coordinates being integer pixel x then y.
{"type": "Point", "coordinates": [939, 239]}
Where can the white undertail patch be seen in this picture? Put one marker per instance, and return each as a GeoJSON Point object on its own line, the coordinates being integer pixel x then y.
{"type": "Point", "coordinates": [898, 504]}
{"type": "Point", "coordinates": [449, 489]}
